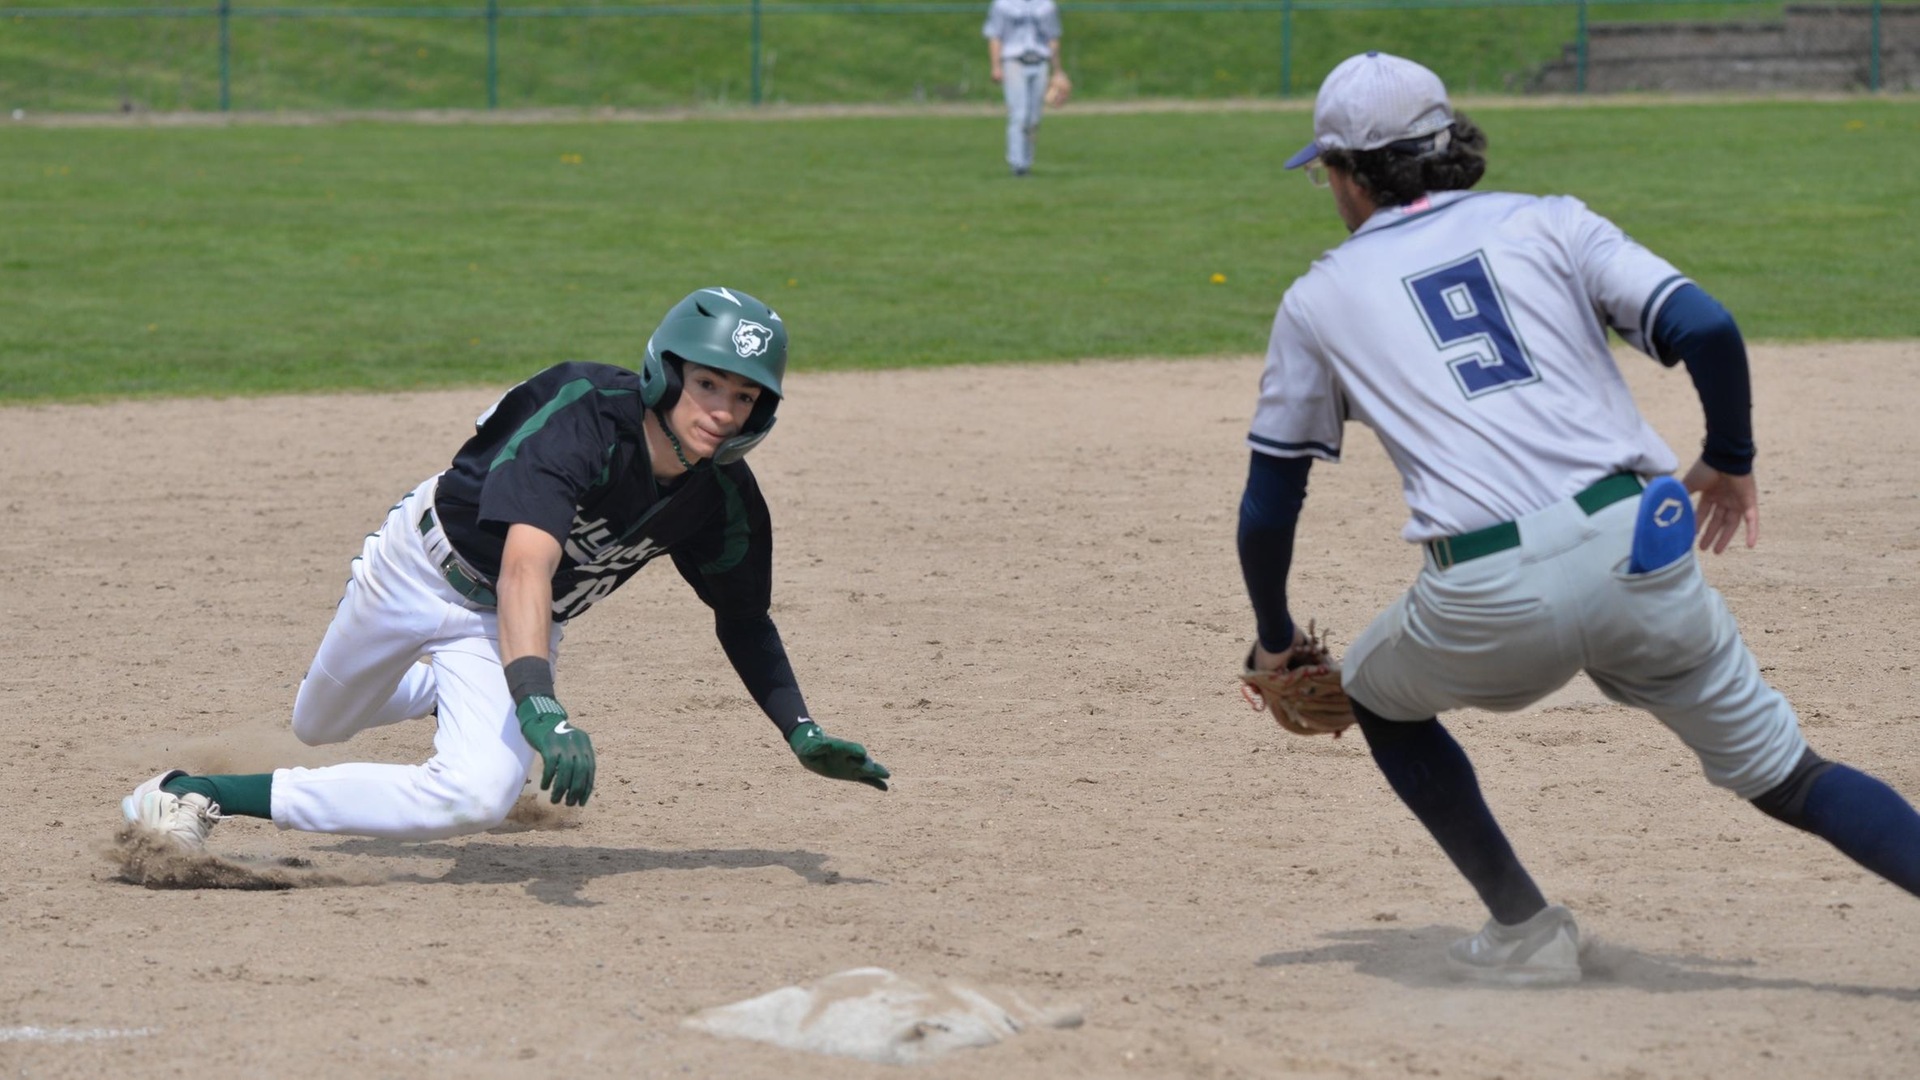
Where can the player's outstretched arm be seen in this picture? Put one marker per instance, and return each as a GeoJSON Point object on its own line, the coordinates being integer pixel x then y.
{"type": "Point", "coordinates": [1726, 503]}
{"type": "Point", "coordinates": [527, 564]}
{"type": "Point", "coordinates": [752, 643]}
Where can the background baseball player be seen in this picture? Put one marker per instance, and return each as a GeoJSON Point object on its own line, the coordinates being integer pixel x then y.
{"type": "Point", "coordinates": [574, 480]}
{"type": "Point", "coordinates": [1469, 331]}
{"type": "Point", "coordinates": [1023, 47]}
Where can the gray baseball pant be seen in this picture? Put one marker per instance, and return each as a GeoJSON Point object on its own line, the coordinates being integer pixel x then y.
{"type": "Point", "coordinates": [1026, 89]}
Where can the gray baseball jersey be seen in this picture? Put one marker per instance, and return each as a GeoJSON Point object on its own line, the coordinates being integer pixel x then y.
{"type": "Point", "coordinates": [1469, 331]}
{"type": "Point", "coordinates": [1026, 28]}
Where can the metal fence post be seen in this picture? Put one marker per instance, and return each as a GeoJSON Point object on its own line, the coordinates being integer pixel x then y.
{"type": "Point", "coordinates": [1873, 66]}
{"type": "Point", "coordinates": [755, 35]}
{"type": "Point", "coordinates": [493, 54]}
{"type": "Point", "coordinates": [1286, 48]}
{"type": "Point", "coordinates": [226, 54]}
{"type": "Point", "coordinates": [1580, 51]}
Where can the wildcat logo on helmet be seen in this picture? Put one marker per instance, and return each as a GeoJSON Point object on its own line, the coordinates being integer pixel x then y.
{"type": "Point", "coordinates": [750, 338]}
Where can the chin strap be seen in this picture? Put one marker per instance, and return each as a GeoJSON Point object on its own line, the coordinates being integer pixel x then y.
{"type": "Point", "coordinates": [677, 452]}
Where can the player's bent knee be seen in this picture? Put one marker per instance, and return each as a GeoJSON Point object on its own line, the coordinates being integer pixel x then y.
{"type": "Point", "coordinates": [314, 732]}
{"type": "Point", "coordinates": [473, 797]}
{"type": "Point", "coordinates": [317, 716]}
{"type": "Point", "coordinates": [482, 811]}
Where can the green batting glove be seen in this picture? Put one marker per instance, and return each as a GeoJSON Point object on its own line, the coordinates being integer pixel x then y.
{"type": "Point", "coordinates": [565, 749]}
{"type": "Point", "coordinates": [835, 759]}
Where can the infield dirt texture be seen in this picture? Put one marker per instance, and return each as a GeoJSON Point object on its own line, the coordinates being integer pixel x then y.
{"type": "Point", "coordinates": [1017, 586]}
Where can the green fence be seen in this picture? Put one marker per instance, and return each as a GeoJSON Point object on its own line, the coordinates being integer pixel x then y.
{"type": "Point", "coordinates": [356, 54]}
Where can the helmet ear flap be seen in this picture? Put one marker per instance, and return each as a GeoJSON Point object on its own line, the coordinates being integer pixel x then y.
{"type": "Point", "coordinates": [660, 380]}
{"type": "Point", "coordinates": [761, 418]}
{"type": "Point", "coordinates": [759, 423]}
{"type": "Point", "coordinates": [734, 449]}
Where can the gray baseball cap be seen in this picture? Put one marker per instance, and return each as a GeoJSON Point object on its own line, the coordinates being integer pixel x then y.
{"type": "Point", "coordinates": [1375, 100]}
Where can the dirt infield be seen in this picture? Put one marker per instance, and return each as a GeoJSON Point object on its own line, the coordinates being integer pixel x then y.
{"type": "Point", "coordinates": [1017, 585]}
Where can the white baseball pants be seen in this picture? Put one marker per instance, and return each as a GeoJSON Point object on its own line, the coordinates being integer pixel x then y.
{"type": "Point", "coordinates": [398, 610]}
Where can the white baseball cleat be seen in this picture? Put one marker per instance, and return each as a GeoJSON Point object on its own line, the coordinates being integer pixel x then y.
{"type": "Point", "coordinates": [1543, 951]}
{"type": "Point", "coordinates": [183, 820]}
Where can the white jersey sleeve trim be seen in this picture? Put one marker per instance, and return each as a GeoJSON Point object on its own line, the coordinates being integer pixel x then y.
{"type": "Point", "coordinates": [1650, 314]}
{"type": "Point", "coordinates": [1276, 448]}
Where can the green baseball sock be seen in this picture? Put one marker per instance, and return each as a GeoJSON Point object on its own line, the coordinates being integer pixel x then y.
{"type": "Point", "coordinates": [250, 795]}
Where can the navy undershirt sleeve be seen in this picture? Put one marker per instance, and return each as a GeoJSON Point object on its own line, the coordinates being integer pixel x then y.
{"type": "Point", "coordinates": [753, 646]}
{"type": "Point", "coordinates": [1692, 328]}
{"type": "Point", "coordinates": [1269, 511]}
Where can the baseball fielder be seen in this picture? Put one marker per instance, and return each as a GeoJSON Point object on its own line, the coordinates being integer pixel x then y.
{"type": "Point", "coordinates": [573, 481]}
{"type": "Point", "coordinates": [1469, 331]}
{"type": "Point", "coordinates": [1023, 47]}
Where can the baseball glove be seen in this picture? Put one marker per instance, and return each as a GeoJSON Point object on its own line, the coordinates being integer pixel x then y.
{"type": "Point", "coordinates": [1059, 89]}
{"type": "Point", "coordinates": [1305, 696]}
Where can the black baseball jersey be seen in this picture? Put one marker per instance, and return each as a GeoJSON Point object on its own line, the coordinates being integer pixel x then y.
{"type": "Point", "coordinates": [565, 452]}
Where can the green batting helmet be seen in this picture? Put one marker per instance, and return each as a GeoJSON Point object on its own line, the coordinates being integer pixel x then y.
{"type": "Point", "coordinates": [727, 330]}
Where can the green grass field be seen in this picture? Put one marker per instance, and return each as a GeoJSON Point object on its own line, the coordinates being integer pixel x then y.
{"type": "Point", "coordinates": [328, 62]}
{"type": "Point", "coordinates": [255, 259]}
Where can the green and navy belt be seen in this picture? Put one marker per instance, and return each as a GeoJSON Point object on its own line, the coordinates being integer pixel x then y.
{"type": "Point", "coordinates": [464, 581]}
{"type": "Point", "coordinates": [1453, 550]}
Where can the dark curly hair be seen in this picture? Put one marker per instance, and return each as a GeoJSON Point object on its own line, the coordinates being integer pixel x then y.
{"type": "Point", "coordinates": [1397, 174]}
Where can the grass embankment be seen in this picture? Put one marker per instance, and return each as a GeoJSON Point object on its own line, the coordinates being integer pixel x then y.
{"type": "Point", "coordinates": [334, 62]}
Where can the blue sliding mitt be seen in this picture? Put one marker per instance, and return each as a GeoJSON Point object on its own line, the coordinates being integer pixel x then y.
{"type": "Point", "coordinates": [1663, 533]}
